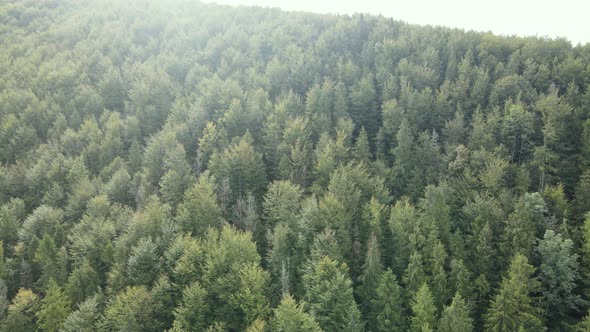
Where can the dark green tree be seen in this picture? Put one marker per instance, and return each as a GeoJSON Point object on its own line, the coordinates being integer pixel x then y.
{"type": "Point", "coordinates": [514, 307]}
{"type": "Point", "coordinates": [387, 312]}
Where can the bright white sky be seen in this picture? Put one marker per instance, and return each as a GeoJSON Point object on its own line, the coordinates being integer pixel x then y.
{"type": "Point", "coordinates": [562, 18]}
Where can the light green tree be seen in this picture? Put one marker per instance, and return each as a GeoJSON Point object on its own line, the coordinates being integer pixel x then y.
{"type": "Point", "coordinates": [289, 316]}
{"type": "Point", "coordinates": [328, 296]}
{"type": "Point", "coordinates": [456, 317]}
{"type": "Point", "coordinates": [191, 314]}
{"type": "Point", "coordinates": [423, 311]}
{"type": "Point", "coordinates": [54, 309]}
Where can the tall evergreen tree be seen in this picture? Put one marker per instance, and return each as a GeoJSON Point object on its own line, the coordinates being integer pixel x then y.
{"type": "Point", "coordinates": [329, 298]}
{"type": "Point", "coordinates": [558, 273]}
{"type": "Point", "coordinates": [515, 307]}
{"type": "Point", "coordinates": [387, 312]}
{"type": "Point", "coordinates": [54, 309]}
{"type": "Point", "coordinates": [456, 317]}
{"type": "Point", "coordinates": [290, 317]}
{"type": "Point", "coordinates": [191, 314]}
{"type": "Point", "coordinates": [199, 208]}
{"type": "Point", "coordinates": [370, 277]}
{"type": "Point", "coordinates": [423, 310]}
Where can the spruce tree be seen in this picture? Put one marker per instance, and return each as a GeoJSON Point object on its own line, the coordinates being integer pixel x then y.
{"type": "Point", "coordinates": [371, 276]}
{"type": "Point", "coordinates": [387, 312]}
{"type": "Point", "coordinates": [514, 307]}
{"type": "Point", "coordinates": [329, 297]}
{"type": "Point", "coordinates": [54, 309]}
{"type": "Point", "coordinates": [290, 317]}
{"type": "Point", "coordinates": [456, 317]}
{"type": "Point", "coordinates": [558, 273]}
{"type": "Point", "coordinates": [191, 314]}
{"type": "Point", "coordinates": [423, 311]}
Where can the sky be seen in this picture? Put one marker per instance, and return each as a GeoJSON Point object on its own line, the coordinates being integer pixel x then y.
{"type": "Point", "coordinates": [543, 18]}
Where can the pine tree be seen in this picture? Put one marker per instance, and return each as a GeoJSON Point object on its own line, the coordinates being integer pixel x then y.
{"type": "Point", "coordinates": [371, 276]}
{"type": "Point", "coordinates": [456, 318]}
{"type": "Point", "coordinates": [199, 209]}
{"type": "Point", "coordinates": [191, 314]}
{"type": "Point", "coordinates": [251, 299]}
{"type": "Point", "coordinates": [520, 231]}
{"type": "Point", "coordinates": [22, 311]}
{"type": "Point", "coordinates": [403, 153]}
{"type": "Point", "coordinates": [423, 311]}
{"type": "Point", "coordinates": [279, 259]}
{"type": "Point", "coordinates": [257, 326]}
{"type": "Point", "coordinates": [402, 222]}
{"type": "Point", "coordinates": [581, 203]}
{"type": "Point", "coordinates": [514, 306]}
{"type": "Point", "coordinates": [439, 275]}
{"type": "Point", "coordinates": [584, 324]}
{"type": "Point", "coordinates": [361, 151]}
{"type": "Point", "coordinates": [85, 318]}
{"type": "Point", "coordinates": [387, 313]}
{"type": "Point", "coordinates": [244, 167]}
{"type": "Point", "coordinates": [55, 308]}
{"type": "Point", "coordinates": [282, 202]}
{"type": "Point", "coordinates": [82, 282]}
{"type": "Point", "coordinates": [414, 275]}
{"type": "Point", "coordinates": [329, 298]}
{"type": "Point", "coordinates": [290, 317]}
{"type": "Point", "coordinates": [131, 310]}
{"type": "Point", "coordinates": [3, 299]}
{"type": "Point", "coordinates": [47, 256]}
{"type": "Point", "coordinates": [558, 274]}
{"type": "Point", "coordinates": [461, 279]}
{"type": "Point", "coordinates": [143, 264]}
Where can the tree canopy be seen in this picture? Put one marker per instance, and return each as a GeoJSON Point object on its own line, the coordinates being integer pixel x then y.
{"type": "Point", "coordinates": [187, 166]}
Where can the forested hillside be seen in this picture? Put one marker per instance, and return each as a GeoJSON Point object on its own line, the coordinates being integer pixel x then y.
{"type": "Point", "coordinates": [179, 166]}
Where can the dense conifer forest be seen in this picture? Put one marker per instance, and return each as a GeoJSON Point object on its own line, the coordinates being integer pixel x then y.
{"type": "Point", "coordinates": [181, 166]}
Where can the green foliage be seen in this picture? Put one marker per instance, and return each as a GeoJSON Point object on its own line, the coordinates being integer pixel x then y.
{"type": "Point", "coordinates": [281, 203]}
{"type": "Point", "coordinates": [143, 264]}
{"type": "Point", "coordinates": [424, 311]}
{"type": "Point", "coordinates": [54, 308]}
{"type": "Point", "coordinates": [21, 316]}
{"type": "Point", "coordinates": [191, 166]}
{"type": "Point", "coordinates": [290, 317]}
{"type": "Point", "coordinates": [371, 275]}
{"type": "Point", "coordinates": [514, 307]}
{"type": "Point", "coordinates": [243, 166]}
{"type": "Point", "coordinates": [191, 314]}
{"type": "Point", "coordinates": [386, 308]}
{"type": "Point", "coordinates": [558, 274]}
{"type": "Point", "coordinates": [328, 296]}
{"type": "Point", "coordinates": [82, 283]}
{"type": "Point", "coordinates": [456, 317]}
{"type": "Point", "coordinates": [199, 209]}
{"type": "Point", "coordinates": [85, 318]}
{"type": "Point", "coordinates": [131, 310]}
{"type": "Point", "coordinates": [52, 265]}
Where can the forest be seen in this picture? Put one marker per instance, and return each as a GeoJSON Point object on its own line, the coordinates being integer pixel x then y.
{"type": "Point", "coordinates": [182, 166]}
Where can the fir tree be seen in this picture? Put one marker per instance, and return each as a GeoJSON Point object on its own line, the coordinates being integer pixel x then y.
{"type": "Point", "coordinates": [423, 311]}
{"type": "Point", "coordinates": [54, 309]}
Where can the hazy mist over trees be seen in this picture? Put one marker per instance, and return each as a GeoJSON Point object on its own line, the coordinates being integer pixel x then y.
{"type": "Point", "coordinates": [180, 166]}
